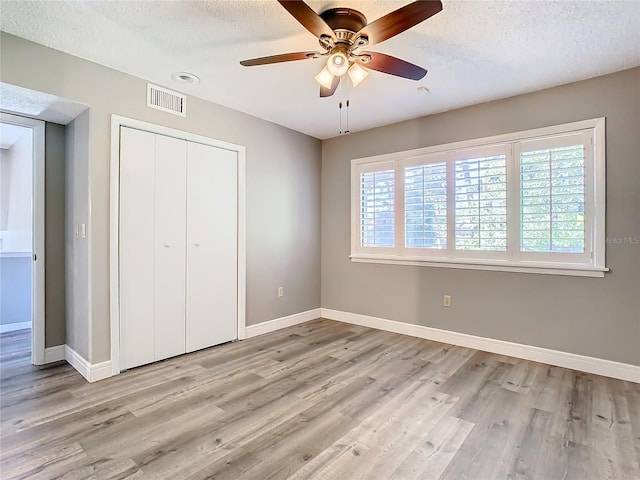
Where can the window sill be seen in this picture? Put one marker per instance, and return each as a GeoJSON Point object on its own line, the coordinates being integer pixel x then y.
{"type": "Point", "coordinates": [520, 267]}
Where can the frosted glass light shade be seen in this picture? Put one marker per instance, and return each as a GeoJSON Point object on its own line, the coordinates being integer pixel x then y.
{"type": "Point", "coordinates": [325, 78]}
{"type": "Point", "coordinates": [357, 74]}
{"type": "Point", "coordinates": [338, 64]}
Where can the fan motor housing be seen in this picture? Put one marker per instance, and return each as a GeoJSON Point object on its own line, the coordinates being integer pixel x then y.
{"type": "Point", "coordinates": [345, 22]}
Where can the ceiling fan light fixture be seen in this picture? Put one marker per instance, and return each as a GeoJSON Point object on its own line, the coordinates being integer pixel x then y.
{"type": "Point", "coordinates": [325, 78]}
{"type": "Point", "coordinates": [338, 64]}
{"type": "Point", "coordinates": [357, 74]}
{"type": "Point", "coordinates": [341, 32]}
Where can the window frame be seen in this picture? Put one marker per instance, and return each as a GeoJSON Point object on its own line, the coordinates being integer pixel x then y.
{"type": "Point", "coordinates": [434, 158]}
{"type": "Point", "coordinates": [591, 263]}
{"type": "Point", "coordinates": [589, 163]}
{"type": "Point", "coordinates": [369, 167]}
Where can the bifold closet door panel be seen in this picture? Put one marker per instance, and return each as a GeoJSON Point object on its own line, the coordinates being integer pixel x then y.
{"type": "Point", "coordinates": [137, 207]}
{"type": "Point", "coordinates": [170, 254]}
{"type": "Point", "coordinates": [212, 240]}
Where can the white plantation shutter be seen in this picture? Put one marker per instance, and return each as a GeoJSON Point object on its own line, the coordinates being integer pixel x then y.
{"type": "Point", "coordinates": [552, 196]}
{"type": "Point", "coordinates": [425, 206]}
{"type": "Point", "coordinates": [529, 201]}
{"type": "Point", "coordinates": [481, 202]}
{"type": "Point", "coordinates": [377, 208]}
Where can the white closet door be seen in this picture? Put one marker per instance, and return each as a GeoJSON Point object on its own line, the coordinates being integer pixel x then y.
{"type": "Point", "coordinates": [137, 207]}
{"type": "Point", "coordinates": [212, 286]}
{"type": "Point", "coordinates": [170, 238]}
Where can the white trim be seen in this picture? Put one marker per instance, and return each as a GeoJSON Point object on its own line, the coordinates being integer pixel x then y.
{"type": "Point", "coordinates": [600, 185]}
{"type": "Point", "coordinates": [591, 263]}
{"type": "Point", "coordinates": [89, 229]}
{"type": "Point", "coordinates": [114, 284]}
{"type": "Point", "coordinates": [599, 366]}
{"type": "Point", "coordinates": [114, 245]}
{"type": "Point", "coordinates": [77, 361]}
{"type": "Point", "coordinates": [242, 244]}
{"type": "Point", "coordinates": [38, 333]}
{"type": "Point", "coordinates": [54, 354]}
{"type": "Point", "coordinates": [91, 372]}
{"type": "Point", "coordinates": [12, 327]}
{"type": "Point", "coordinates": [37, 294]}
{"type": "Point", "coordinates": [15, 254]}
{"type": "Point", "coordinates": [490, 265]}
{"type": "Point", "coordinates": [282, 322]}
{"type": "Point", "coordinates": [100, 371]}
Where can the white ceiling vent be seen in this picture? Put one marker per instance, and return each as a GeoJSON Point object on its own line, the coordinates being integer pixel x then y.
{"type": "Point", "coordinates": [166, 100]}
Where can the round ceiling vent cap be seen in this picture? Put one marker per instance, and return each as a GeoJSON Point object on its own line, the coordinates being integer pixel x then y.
{"type": "Point", "coordinates": [185, 77]}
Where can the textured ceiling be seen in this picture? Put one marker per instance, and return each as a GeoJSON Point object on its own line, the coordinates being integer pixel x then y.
{"type": "Point", "coordinates": [475, 51]}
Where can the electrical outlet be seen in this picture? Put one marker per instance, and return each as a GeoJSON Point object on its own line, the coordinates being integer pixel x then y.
{"type": "Point", "coordinates": [446, 301]}
{"type": "Point", "coordinates": [280, 291]}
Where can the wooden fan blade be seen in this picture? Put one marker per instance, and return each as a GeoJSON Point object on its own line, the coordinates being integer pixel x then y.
{"type": "Point", "coordinates": [399, 20]}
{"type": "Point", "coordinates": [327, 92]}
{"type": "Point", "coordinates": [284, 57]}
{"type": "Point", "coordinates": [308, 18]}
{"type": "Point", "coordinates": [393, 66]}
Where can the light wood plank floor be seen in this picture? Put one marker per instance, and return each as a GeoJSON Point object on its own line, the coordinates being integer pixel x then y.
{"type": "Point", "coordinates": [322, 400]}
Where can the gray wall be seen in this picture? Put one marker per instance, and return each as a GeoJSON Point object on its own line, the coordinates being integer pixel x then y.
{"type": "Point", "coordinates": [54, 235]}
{"type": "Point", "coordinates": [78, 281]}
{"type": "Point", "coordinates": [598, 317]}
{"type": "Point", "coordinates": [283, 187]}
{"type": "Point", "coordinates": [595, 317]}
{"type": "Point", "coordinates": [15, 289]}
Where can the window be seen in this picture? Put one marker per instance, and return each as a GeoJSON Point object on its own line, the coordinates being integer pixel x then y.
{"type": "Point", "coordinates": [425, 206]}
{"type": "Point", "coordinates": [377, 207]}
{"type": "Point", "coordinates": [480, 204]}
{"type": "Point", "coordinates": [529, 202]}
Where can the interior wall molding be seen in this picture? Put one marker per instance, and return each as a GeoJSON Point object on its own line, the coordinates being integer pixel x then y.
{"type": "Point", "coordinates": [91, 372]}
{"type": "Point", "coordinates": [12, 327]}
{"type": "Point", "coordinates": [282, 322]}
{"type": "Point", "coordinates": [598, 366]}
{"type": "Point", "coordinates": [100, 371]}
{"type": "Point", "coordinates": [54, 354]}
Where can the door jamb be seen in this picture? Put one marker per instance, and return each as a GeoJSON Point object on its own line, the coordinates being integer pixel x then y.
{"type": "Point", "coordinates": [37, 232]}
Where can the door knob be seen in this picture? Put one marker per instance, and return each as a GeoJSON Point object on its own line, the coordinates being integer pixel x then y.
{"type": "Point", "coordinates": [167, 244]}
{"type": "Point", "coordinates": [197, 244]}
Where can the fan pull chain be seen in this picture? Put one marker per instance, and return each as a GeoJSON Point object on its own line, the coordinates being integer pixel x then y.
{"type": "Point", "coordinates": [347, 109]}
{"type": "Point", "coordinates": [346, 130]}
{"type": "Point", "coordinates": [344, 89]}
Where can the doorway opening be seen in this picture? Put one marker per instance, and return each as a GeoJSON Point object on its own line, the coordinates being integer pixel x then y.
{"type": "Point", "coordinates": [22, 236]}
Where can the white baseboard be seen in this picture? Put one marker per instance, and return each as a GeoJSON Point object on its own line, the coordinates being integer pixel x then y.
{"type": "Point", "coordinates": [54, 354]}
{"type": "Point", "coordinates": [599, 366]}
{"type": "Point", "coordinates": [100, 371]}
{"type": "Point", "coordinates": [12, 327]}
{"type": "Point", "coordinates": [283, 322]}
{"type": "Point", "coordinates": [91, 372]}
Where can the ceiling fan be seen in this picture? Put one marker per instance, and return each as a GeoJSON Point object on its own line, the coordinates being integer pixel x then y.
{"type": "Point", "coordinates": [342, 31]}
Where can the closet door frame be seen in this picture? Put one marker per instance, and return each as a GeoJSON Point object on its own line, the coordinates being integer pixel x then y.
{"type": "Point", "coordinates": [114, 269]}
